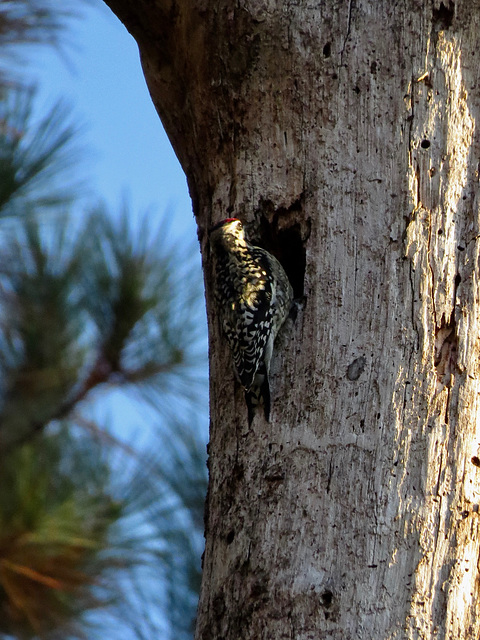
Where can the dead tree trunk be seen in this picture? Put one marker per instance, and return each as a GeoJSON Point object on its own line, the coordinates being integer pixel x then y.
{"type": "Point", "coordinates": [343, 134]}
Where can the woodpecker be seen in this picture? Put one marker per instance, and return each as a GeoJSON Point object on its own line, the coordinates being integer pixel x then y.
{"type": "Point", "coordinates": [253, 297]}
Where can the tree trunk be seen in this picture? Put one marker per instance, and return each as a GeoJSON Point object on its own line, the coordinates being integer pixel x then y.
{"type": "Point", "coordinates": [343, 134]}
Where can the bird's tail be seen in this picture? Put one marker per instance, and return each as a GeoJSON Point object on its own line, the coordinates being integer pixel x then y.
{"type": "Point", "coordinates": [258, 393]}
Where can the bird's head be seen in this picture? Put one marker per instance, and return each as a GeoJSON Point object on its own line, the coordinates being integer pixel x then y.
{"type": "Point", "coordinates": [227, 233]}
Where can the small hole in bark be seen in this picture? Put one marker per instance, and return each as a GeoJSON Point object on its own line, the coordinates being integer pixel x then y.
{"type": "Point", "coordinates": [356, 89]}
{"type": "Point", "coordinates": [356, 368]}
{"type": "Point", "coordinates": [293, 257]}
{"type": "Point", "coordinates": [281, 234]}
{"type": "Point", "coordinates": [327, 50]}
{"type": "Point", "coordinates": [458, 277]}
{"type": "Point", "coordinates": [443, 16]}
{"type": "Point", "coordinates": [288, 245]}
{"type": "Point", "coordinates": [440, 231]}
{"type": "Point", "coordinates": [326, 598]}
{"type": "Point", "coordinates": [425, 144]}
{"type": "Point", "coordinates": [476, 461]}
{"type": "Point", "coordinates": [230, 536]}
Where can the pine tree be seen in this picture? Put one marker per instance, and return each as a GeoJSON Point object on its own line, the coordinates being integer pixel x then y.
{"type": "Point", "coordinates": [88, 307]}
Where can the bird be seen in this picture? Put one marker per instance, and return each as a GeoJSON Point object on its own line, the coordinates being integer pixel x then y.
{"type": "Point", "coordinates": [253, 296]}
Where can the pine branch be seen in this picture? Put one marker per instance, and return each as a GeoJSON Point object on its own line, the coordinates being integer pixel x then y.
{"type": "Point", "coordinates": [118, 285]}
{"type": "Point", "coordinates": [34, 158]}
{"type": "Point", "coordinates": [100, 435]}
{"type": "Point", "coordinates": [101, 374]}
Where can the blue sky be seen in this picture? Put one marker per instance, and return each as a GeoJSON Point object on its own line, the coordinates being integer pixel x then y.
{"type": "Point", "coordinates": [127, 151]}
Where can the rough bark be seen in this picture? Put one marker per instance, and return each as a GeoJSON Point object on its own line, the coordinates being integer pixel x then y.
{"type": "Point", "coordinates": [344, 134]}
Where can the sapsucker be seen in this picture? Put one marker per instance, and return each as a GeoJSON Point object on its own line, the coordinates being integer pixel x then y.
{"type": "Point", "coordinates": [253, 297]}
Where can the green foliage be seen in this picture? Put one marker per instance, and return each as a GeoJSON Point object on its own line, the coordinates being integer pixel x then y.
{"type": "Point", "coordinates": [42, 324]}
{"type": "Point", "coordinates": [102, 309]}
{"type": "Point", "coordinates": [34, 157]}
{"type": "Point", "coordinates": [95, 304]}
{"type": "Point", "coordinates": [96, 308]}
{"type": "Point", "coordinates": [142, 311]}
{"type": "Point", "coordinates": [54, 536]}
{"type": "Point", "coordinates": [84, 305]}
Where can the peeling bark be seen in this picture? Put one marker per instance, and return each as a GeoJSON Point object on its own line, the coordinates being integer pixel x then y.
{"type": "Point", "coordinates": [344, 135]}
